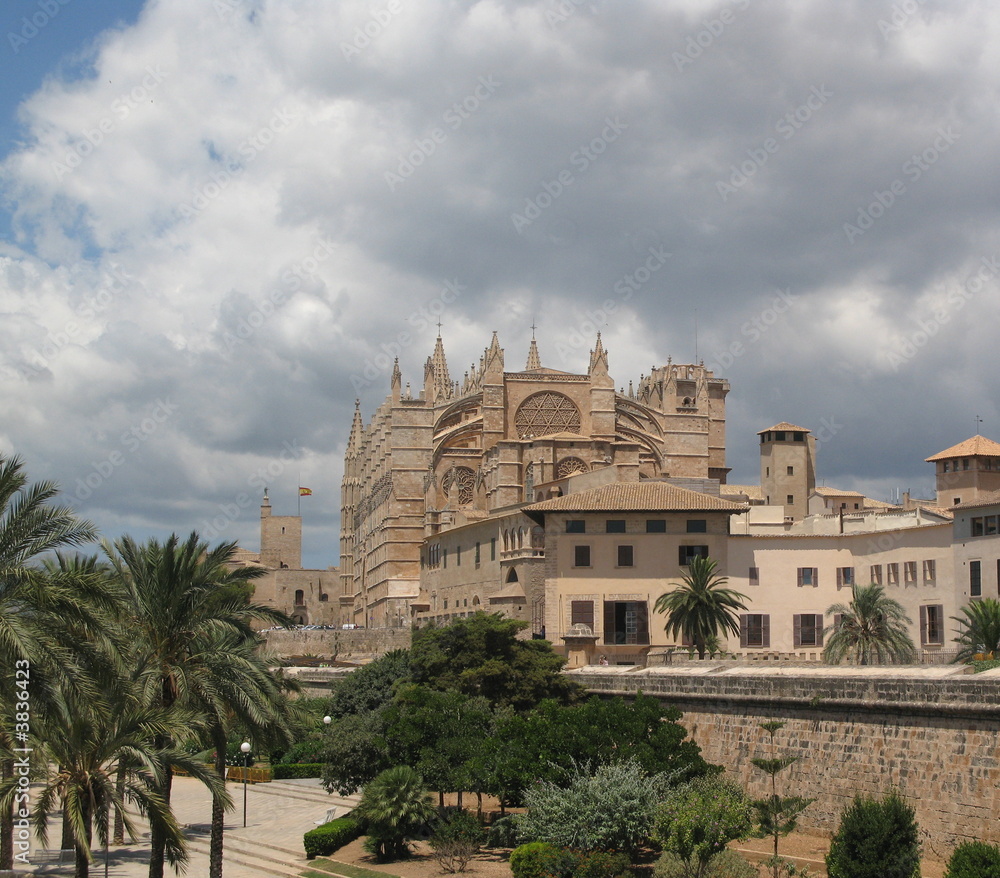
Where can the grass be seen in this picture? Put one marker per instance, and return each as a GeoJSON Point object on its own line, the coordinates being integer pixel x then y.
{"type": "Point", "coordinates": [323, 867]}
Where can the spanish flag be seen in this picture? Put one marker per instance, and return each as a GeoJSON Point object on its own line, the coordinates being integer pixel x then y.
{"type": "Point", "coordinates": [305, 492]}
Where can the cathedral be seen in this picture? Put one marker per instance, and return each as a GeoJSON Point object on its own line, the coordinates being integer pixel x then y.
{"type": "Point", "coordinates": [468, 455]}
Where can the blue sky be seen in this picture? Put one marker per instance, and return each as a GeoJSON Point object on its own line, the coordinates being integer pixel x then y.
{"type": "Point", "coordinates": [220, 221]}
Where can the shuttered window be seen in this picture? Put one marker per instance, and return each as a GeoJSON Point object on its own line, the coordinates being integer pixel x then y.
{"type": "Point", "coordinates": [755, 629]}
{"type": "Point", "coordinates": [932, 624]}
{"type": "Point", "coordinates": [582, 612]}
{"type": "Point", "coordinates": [808, 629]}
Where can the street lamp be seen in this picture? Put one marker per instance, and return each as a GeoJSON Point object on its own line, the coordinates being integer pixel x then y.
{"type": "Point", "coordinates": [245, 749]}
{"type": "Point", "coordinates": [327, 720]}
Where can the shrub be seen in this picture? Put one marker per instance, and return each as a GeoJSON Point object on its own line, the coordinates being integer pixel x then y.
{"type": "Point", "coordinates": [876, 839]}
{"type": "Point", "coordinates": [603, 864]}
{"type": "Point", "coordinates": [325, 839]}
{"type": "Point", "coordinates": [457, 838]}
{"type": "Point", "coordinates": [299, 769]}
{"type": "Point", "coordinates": [974, 859]}
{"type": "Point", "coordinates": [725, 864]}
{"type": "Point", "coordinates": [539, 859]}
{"type": "Point", "coordinates": [503, 832]}
{"type": "Point", "coordinates": [395, 806]}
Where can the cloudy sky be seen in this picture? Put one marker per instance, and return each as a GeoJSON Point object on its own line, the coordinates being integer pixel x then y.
{"type": "Point", "coordinates": [221, 218]}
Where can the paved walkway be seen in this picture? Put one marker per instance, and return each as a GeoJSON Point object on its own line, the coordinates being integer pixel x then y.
{"type": "Point", "coordinates": [278, 814]}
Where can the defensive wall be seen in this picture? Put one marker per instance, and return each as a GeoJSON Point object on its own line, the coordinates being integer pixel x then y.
{"type": "Point", "coordinates": [930, 732]}
{"type": "Point", "coordinates": [338, 644]}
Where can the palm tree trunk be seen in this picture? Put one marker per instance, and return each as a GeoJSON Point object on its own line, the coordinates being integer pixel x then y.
{"type": "Point", "coordinates": [119, 832]}
{"type": "Point", "coordinates": [67, 841]}
{"type": "Point", "coordinates": [157, 840]}
{"type": "Point", "coordinates": [7, 822]}
{"type": "Point", "coordinates": [218, 812]}
{"type": "Point", "coordinates": [82, 859]}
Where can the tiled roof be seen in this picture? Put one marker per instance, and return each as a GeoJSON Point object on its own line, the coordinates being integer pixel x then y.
{"type": "Point", "coordinates": [645, 496]}
{"type": "Point", "coordinates": [988, 499]}
{"type": "Point", "coordinates": [825, 491]}
{"type": "Point", "coordinates": [753, 492]}
{"type": "Point", "coordinates": [977, 445]}
{"type": "Point", "coordinates": [784, 425]}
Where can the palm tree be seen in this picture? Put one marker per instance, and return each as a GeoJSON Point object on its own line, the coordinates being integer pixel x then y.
{"type": "Point", "coordinates": [33, 608]}
{"type": "Point", "coordinates": [394, 807]}
{"type": "Point", "coordinates": [981, 634]}
{"type": "Point", "coordinates": [871, 630]}
{"type": "Point", "coordinates": [184, 598]}
{"type": "Point", "coordinates": [701, 608]}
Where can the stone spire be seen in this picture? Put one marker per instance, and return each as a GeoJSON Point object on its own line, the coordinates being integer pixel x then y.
{"type": "Point", "coordinates": [534, 361]}
{"type": "Point", "coordinates": [357, 428]}
{"type": "Point", "coordinates": [396, 382]}
{"type": "Point", "coordinates": [493, 357]}
{"type": "Point", "coordinates": [598, 358]}
{"type": "Point", "coordinates": [442, 380]}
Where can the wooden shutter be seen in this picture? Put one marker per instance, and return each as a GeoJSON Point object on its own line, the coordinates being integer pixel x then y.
{"type": "Point", "coordinates": [799, 577]}
{"type": "Point", "coordinates": [797, 629]}
{"type": "Point", "coordinates": [819, 629]}
{"type": "Point", "coordinates": [815, 577]}
{"type": "Point", "coordinates": [743, 629]}
{"type": "Point", "coordinates": [641, 622]}
{"type": "Point", "coordinates": [923, 625]}
{"type": "Point", "coordinates": [582, 612]}
{"type": "Point", "coordinates": [765, 626]}
{"type": "Point", "coordinates": [609, 621]}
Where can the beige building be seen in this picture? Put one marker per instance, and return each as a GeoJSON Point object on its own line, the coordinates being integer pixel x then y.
{"type": "Point", "coordinates": [461, 454]}
{"type": "Point", "coordinates": [966, 471]}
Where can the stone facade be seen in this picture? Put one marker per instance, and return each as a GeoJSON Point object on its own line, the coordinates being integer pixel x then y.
{"type": "Point", "coordinates": [465, 451]}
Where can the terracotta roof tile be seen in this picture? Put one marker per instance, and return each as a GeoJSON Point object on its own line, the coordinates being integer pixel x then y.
{"type": "Point", "coordinates": [645, 496]}
{"type": "Point", "coordinates": [977, 445]}
{"type": "Point", "coordinates": [784, 425]}
{"type": "Point", "coordinates": [988, 499]}
{"type": "Point", "coordinates": [825, 491]}
{"type": "Point", "coordinates": [754, 492]}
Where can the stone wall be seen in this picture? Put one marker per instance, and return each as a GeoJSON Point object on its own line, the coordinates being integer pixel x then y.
{"type": "Point", "coordinates": [357, 645]}
{"type": "Point", "coordinates": [930, 733]}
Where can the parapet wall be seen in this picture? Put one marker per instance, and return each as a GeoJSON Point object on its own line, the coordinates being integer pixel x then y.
{"type": "Point", "coordinates": [351, 645]}
{"type": "Point", "coordinates": [931, 733]}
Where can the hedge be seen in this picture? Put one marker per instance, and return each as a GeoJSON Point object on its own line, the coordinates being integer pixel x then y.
{"type": "Point", "coordinates": [297, 769]}
{"type": "Point", "coordinates": [325, 839]}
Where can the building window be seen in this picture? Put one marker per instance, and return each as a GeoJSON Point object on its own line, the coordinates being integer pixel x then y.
{"type": "Point", "coordinates": [875, 573]}
{"type": "Point", "coordinates": [458, 556]}
{"type": "Point", "coordinates": [932, 624]}
{"type": "Point", "coordinates": [975, 579]}
{"type": "Point", "coordinates": [754, 576]}
{"type": "Point", "coordinates": [686, 553]}
{"type": "Point", "coordinates": [697, 526]}
{"type": "Point", "coordinates": [300, 597]}
{"type": "Point", "coordinates": [493, 548]}
{"type": "Point", "coordinates": [576, 526]}
{"type": "Point", "coordinates": [984, 526]}
{"type": "Point", "coordinates": [582, 613]}
{"type": "Point", "coordinates": [790, 470]}
{"type": "Point", "coordinates": [478, 556]}
{"type": "Point", "coordinates": [892, 573]}
{"type": "Point", "coordinates": [929, 572]}
{"type": "Point", "coordinates": [625, 558]}
{"type": "Point", "coordinates": [845, 577]}
{"type": "Point", "coordinates": [581, 556]}
{"type": "Point", "coordinates": [446, 603]}
{"type": "Point", "coordinates": [808, 576]}
{"type": "Point", "coordinates": [656, 525]}
{"type": "Point", "coordinates": [615, 526]}
{"type": "Point", "coordinates": [808, 629]}
{"type": "Point", "coordinates": [910, 572]}
{"type": "Point", "coordinates": [790, 499]}
{"type": "Point", "coordinates": [444, 558]}
{"type": "Point", "coordinates": [626, 622]}
{"type": "Point", "coordinates": [755, 629]}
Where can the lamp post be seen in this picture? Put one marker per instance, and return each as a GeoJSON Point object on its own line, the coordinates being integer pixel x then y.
{"type": "Point", "coordinates": [245, 749]}
{"type": "Point", "coordinates": [327, 720]}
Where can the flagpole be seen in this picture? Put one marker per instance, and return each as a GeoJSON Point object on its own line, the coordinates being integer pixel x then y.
{"type": "Point", "coordinates": [298, 492]}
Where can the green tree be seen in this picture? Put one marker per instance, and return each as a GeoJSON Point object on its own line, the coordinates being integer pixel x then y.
{"type": "Point", "coordinates": [701, 608]}
{"type": "Point", "coordinates": [610, 808]}
{"type": "Point", "coordinates": [482, 655]}
{"type": "Point", "coordinates": [778, 815]}
{"type": "Point", "coordinates": [980, 632]}
{"type": "Point", "coordinates": [974, 859]}
{"type": "Point", "coordinates": [876, 839]}
{"type": "Point", "coordinates": [35, 610]}
{"type": "Point", "coordinates": [699, 819]}
{"type": "Point", "coordinates": [189, 604]}
{"type": "Point", "coordinates": [872, 630]}
{"type": "Point", "coordinates": [394, 807]}
{"type": "Point", "coordinates": [371, 686]}
{"type": "Point", "coordinates": [355, 752]}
